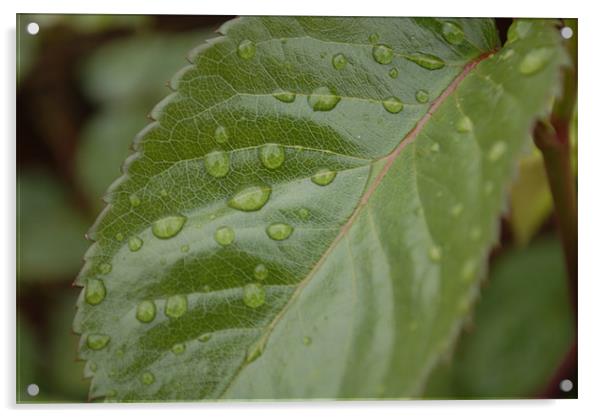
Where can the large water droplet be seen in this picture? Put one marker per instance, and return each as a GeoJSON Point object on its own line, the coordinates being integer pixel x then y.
{"type": "Point", "coordinates": [253, 295]}
{"type": "Point", "coordinates": [146, 311]}
{"type": "Point", "coordinates": [148, 378]}
{"type": "Point", "coordinates": [453, 33]}
{"type": "Point", "coordinates": [221, 135]}
{"type": "Point", "coordinates": [261, 272]}
{"type": "Point", "coordinates": [135, 243]}
{"type": "Point", "coordinates": [97, 341]}
{"type": "Point", "coordinates": [383, 54]}
{"type": "Point", "coordinates": [271, 155]}
{"type": "Point", "coordinates": [105, 268]}
{"type": "Point", "coordinates": [224, 235]}
{"type": "Point", "coordinates": [435, 253]}
{"type": "Point", "coordinates": [217, 163]}
{"type": "Point", "coordinates": [422, 96]}
{"type": "Point", "coordinates": [464, 124]}
{"type": "Point", "coordinates": [251, 198]}
{"type": "Point", "coordinates": [339, 61]}
{"type": "Point", "coordinates": [176, 306]}
{"type": "Point", "coordinates": [497, 150]}
{"type": "Point", "coordinates": [95, 291]}
{"type": "Point", "coordinates": [285, 96]}
{"type": "Point", "coordinates": [134, 200]}
{"type": "Point", "coordinates": [393, 105]}
{"type": "Point", "coordinates": [323, 99]}
{"type": "Point", "coordinates": [323, 177]}
{"type": "Point", "coordinates": [535, 60]}
{"type": "Point", "coordinates": [279, 231]}
{"type": "Point", "coordinates": [246, 49]}
{"type": "Point", "coordinates": [430, 62]}
{"type": "Point", "coordinates": [169, 226]}
{"type": "Point", "coordinates": [393, 73]}
{"type": "Point", "coordinates": [178, 348]}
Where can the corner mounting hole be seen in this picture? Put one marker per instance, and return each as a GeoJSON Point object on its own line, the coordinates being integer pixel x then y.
{"type": "Point", "coordinates": [566, 32]}
{"type": "Point", "coordinates": [566, 385]}
{"type": "Point", "coordinates": [33, 390]}
{"type": "Point", "coordinates": [33, 28]}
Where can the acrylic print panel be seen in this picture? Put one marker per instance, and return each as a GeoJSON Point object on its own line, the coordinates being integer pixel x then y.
{"type": "Point", "coordinates": [314, 208]}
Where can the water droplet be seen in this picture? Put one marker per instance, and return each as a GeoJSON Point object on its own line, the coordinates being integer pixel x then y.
{"type": "Point", "coordinates": [251, 198]}
{"type": "Point", "coordinates": [339, 61]}
{"type": "Point", "coordinates": [120, 353]}
{"type": "Point", "coordinates": [176, 306]}
{"type": "Point", "coordinates": [475, 233]}
{"type": "Point", "coordinates": [284, 96]}
{"type": "Point", "coordinates": [164, 193]}
{"type": "Point", "coordinates": [435, 253]}
{"type": "Point", "coordinates": [185, 248]}
{"type": "Point", "coordinates": [507, 54]}
{"type": "Point", "coordinates": [518, 30]}
{"type": "Point", "coordinates": [307, 340]}
{"type": "Point", "coordinates": [453, 33]}
{"type": "Point", "coordinates": [169, 226]}
{"type": "Point", "coordinates": [111, 393]}
{"type": "Point", "coordinates": [261, 272]}
{"type": "Point", "coordinates": [488, 187]}
{"type": "Point", "coordinates": [422, 96]}
{"type": "Point", "coordinates": [217, 163]}
{"type": "Point", "coordinates": [373, 38]}
{"type": "Point", "coordinates": [393, 105]}
{"type": "Point", "coordinates": [430, 62]}
{"type": "Point", "coordinates": [220, 135]}
{"type": "Point", "coordinates": [205, 337]}
{"type": "Point", "coordinates": [134, 200]}
{"type": "Point", "coordinates": [271, 155]}
{"type": "Point", "coordinates": [178, 348]}
{"type": "Point", "coordinates": [97, 341]}
{"type": "Point", "coordinates": [535, 60]}
{"type": "Point", "coordinates": [468, 270]}
{"type": "Point", "coordinates": [464, 124]}
{"type": "Point", "coordinates": [303, 213]}
{"type": "Point", "coordinates": [206, 288]}
{"type": "Point", "coordinates": [279, 231]}
{"type": "Point", "coordinates": [323, 177]}
{"type": "Point", "coordinates": [119, 236]}
{"type": "Point", "coordinates": [383, 54]}
{"type": "Point", "coordinates": [253, 295]}
{"type": "Point", "coordinates": [146, 311]}
{"type": "Point", "coordinates": [148, 378]}
{"type": "Point", "coordinates": [435, 147]}
{"type": "Point", "coordinates": [255, 351]}
{"type": "Point", "coordinates": [93, 366]}
{"type": "Point", "coordinates": [393, 73]}
{"type": "Point", "coordinates": [497, 150]}
{"type": "Point", "coordinates": [323, 99]}
{"type": "Point", "coordinates": [135, 243]}
{"type": "Point", "coordinates": [246, 49]}
{"type": "Point", "coordinates": [456, 210]}
{"type": "Point", "coordinates": [105, 268]}
{"type": "Point", "coordinates": [95, 291]}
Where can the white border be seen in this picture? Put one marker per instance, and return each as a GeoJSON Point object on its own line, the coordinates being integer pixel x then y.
{"type": "Point", "coordinates": [590, 204]}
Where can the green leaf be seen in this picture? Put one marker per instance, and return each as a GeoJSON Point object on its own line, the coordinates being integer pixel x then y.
{"type": "Point", "coordinates": [517, 328]}
{"type": "Point", "coordinates": [357, 272]}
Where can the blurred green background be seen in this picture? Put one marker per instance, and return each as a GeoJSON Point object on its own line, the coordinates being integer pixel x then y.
{"type": "Point", "coordinates": [85, 84]}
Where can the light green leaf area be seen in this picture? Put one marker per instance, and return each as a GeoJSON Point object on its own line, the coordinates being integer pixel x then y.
{"type": "Point", "coordinates": [301, 221]}
{"type": "Point", "coordinates": [523, 322]}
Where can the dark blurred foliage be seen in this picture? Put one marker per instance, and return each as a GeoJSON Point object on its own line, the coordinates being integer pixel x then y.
{"type": "Point", "coordinates": [85, 86]}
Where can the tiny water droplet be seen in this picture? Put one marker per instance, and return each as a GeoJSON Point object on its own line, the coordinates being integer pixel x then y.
{"type": "Point", "coordinates": [134, 200]}
{"type": "Point", "coordinates": [284, 96]}
{"type": "Point", "coordinates": [93, 366]}
{"type": "Point", "coordinates": [430, 62]}
{"type": "Point", "coordinates": [271, 155]}
{"type": "Point", "coordinates": [97, 341]}
{"type": "Point", "coordinates": [323, 99]}
{"type": "Point", "coordinates": [148, 378]}
{"type": "Point", "coordinates": [323, 177]}
{"type": "Point", "coordinates": [393, 105]}
{"type": "Point", "coordinates": [146, 311]}
{"type": "Point", "coordinates": [221, 135]}
{"type": "Point", "coordinates": [303, 213]}
{"type": "Point", "coordinates": [217, 163]}
{"type": "Point", "coordinates": [261, 272]}
{"type": "Point", "coordinates": [246, 49]}
{"type": "Point", "coordinates": [205, 337]}
{"type": "Point", "coordinates": [224, 235]}
{"type": "Point", "coordinates": [178, 348]}
{"type": "Point", "coordinates": [453, 33]}
{"type": "Point", "coordinates": [464, 124]}
{"type": "Point", "coordinates": [435, 147]}
{"type": "Point", "coordinates": [339, 61]}
{"type": "Point", "coordinates": [373, 38]}
{"type": "Point", "coordinates": [475, 233]}
{"type": "Point", "coordinates": [105, 268]}
{"type": "Point", "coordinates": [518, 30]}
{"type": "Point", "coordinates": [255, 351]}
{"type": "Point", "coordinates": [422, 96]}
{"type": "Point", "coordinates": [185, 248]}
{"type": "Point", "coordinates": [456, 210]}
{"type": "Point", "coordinates": [176, 306]}
{"type": "Point", "coordinates": [135, 243]}
{"type": "Point", "coordinates": [307, 340]}
{"type": "Point", "coordinates": [507, 54]}
{"type": "Point", "coordinates": [119, 236]}
{"type": "Point", "coordinates": [120, 353]}
{"type": "Point", "coordinates": [206, 288]}
{"type": "Point", "coordinates": [95, 291]}
{"type": "Point", "coordinates": [496, 151]}
{"type": "Point", "coordinates": [164, 193]}
{"type": "Point", "coordinates": [169, 226]}
{"type": "Point", "coordinates": [253, 295]}
{"type": "Point", "coordinates": [279, 231]}
{"type": "Point", "coordinates": [251, 198]}
{"type": "Point", "coordinates": [111, 393]}
{"type": "Point", "coordinates": [535, 60]}
{"type": "Point", "coordinates": [468, 270]}
{"type": "Point", "coordinates": [488, 187]}
{"type": "Point", "coordinates": [383, 54]}
{"type": "Point", "coordinates": [435, 253]}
